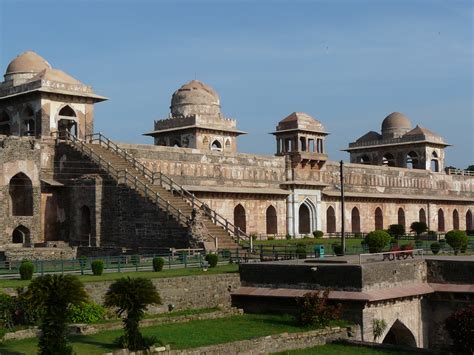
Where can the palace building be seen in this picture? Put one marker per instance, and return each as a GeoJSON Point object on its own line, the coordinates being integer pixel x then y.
{"type": "Point", "coordinates": [63, 186]}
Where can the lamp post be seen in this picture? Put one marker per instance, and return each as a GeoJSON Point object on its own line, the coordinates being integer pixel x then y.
{"type": "Point", "coordinates": [343, 239]}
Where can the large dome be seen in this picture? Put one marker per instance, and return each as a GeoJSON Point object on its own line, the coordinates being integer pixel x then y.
{"type": "Point", "coordinates": [195, 97]}
{"type": "Point", "coordinates": [27, 62]}
{"type": "Point", "coordinates": [395, 125]}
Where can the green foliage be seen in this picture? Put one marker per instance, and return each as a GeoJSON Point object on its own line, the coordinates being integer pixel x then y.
{"type": "Point", "coordinates": [418, 244]}
{"type": "Point", "coordinates": [158, 263]}
{"type": "Point", "coordinates": [337, 248]}
{"type": "Point", "coordinates": [457, 240]}
{"type": "Point", "coordinates": [435, 247]}
{"type": "Point", "coordinates": [396, 230]}
{"type": "Point", "coordinates": [270, 238]}
{"type": "Point", "coordinates": [377, 240]}
{"type": "Point", "coordinates": [394, 241]}
{"type": "Point", "coordinates": [86, 312]}
{"type": "Point", "coordinates": [301, 250]}
{"type": "Point", "coordinates": [26, 270]}
{"type": "Point", "coordinates": [6, 311]}
{"type": "Point", "coordinates": [97, 267]}
{"type": "Point", "coordinates": [132, 296]}
{"type": "Point", "coordinates": [212, 259]}
{"type": "Point", "coordinates": [135, 260]}
{"type": "Point", "coordinates": [460, 326]}
{"type": "Point", "coordinates": [318, 234]}
{"type": "Point", "coordinates": [470, 168]}
{"type": "Point", "coordinates": [288, 236]}
{"type": "Point", "coordinates": [378, 327]}
{"type": "Point", "coordinates": [418, 227]}
{"type": "Point", "coordinates": [226, 254]}
{"type": "Point", "coordinates": [313, 309]}
{"type": "Point", "coordinates": [442, 243]}
{"type": "Point", "coordinates": [53, 295]}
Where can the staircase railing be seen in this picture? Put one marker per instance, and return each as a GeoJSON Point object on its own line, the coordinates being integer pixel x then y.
{"type": "Point", "coordinates": [169, 184]}
{"type": "Point", "coordinates": [127, 178]}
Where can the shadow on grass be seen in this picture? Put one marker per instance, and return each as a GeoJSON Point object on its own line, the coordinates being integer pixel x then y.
{"type": "Point", "coordinates": [8, 352]}
{"type": "Point", "coordinates": [84, 340]}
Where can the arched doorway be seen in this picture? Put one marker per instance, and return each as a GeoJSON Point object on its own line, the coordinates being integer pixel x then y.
{"type": "Point", "coordinates": [67, 122]}
{"type": "Point", "coordinates": [378, 219]}
{"type": "Point", "coordinates": [85, 227]}
{"type": "Point", "coordinates": [4, 124]}
{"type": "Point", "coordinates": [401, 217]}
{"type": "Point", "coordinates": [388, 160]}
{"type": "Point", "coordinates": [216, 145]}
{"type": "Point", "coordinates": [434, 162]}
{"type": "Point", "coordinates": [422, 215]}
{"type": "Point", "coordinates": [240, 221]}
{"type": "Point", "coordinates": [440, 220]}
{"type": "Point", "coordinates": [21, 195]}
{"type": "Point", "coordinates": [399, 334]}
{"type": "Point", "coordinates": [271, 219]}
{"type": "Point", "coordinates": [412, 160]}
{"type": "Point", "coordinates": [305, 219]}
{"type": "Point", "coordinates": [330, 220]}
{"type": "Point", "coordinates": [456, 220]}
{"type": "Point", "coordinates": [469, 220]}
{"type": "Point", "coordinates": [355, 220]}
{"type": "Point", "coordinates": [21, 235]}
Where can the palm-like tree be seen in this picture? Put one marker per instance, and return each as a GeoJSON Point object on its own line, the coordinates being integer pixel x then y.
{"type": "Point", "coordinates": [132, 296]}
{"type": "Point", "coordinates": [52, 295]}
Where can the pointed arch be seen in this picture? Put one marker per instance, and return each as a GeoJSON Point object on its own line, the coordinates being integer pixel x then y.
{"type": "Point", "coordinates": [67, 111]}
{"type": "Point", "coordinates": [216, 145]}
{"type": "Point", "coordinates": [28, 123]}
{"type": "Point", "coordinates": [67, 121]}
{"type": "Point", "coordinates": [306, 217]}
{"type": "Point", "coordinates": [455, 219]}
{"type": "Point", "coordinates": [469, 220]}
{"type": "Point", "coordinates": [365, 159]}
{"type": "Point", "coordinates": [422, 215]}
{"type": "Point", "coordinates": [399, 334]}
{"type": "Point", "coordinates": [378, 218]}
{"type": "Point", "coordinates": [21, 235]}
{"type": "Point", "coordinates": [388, 160]}
{"type": "Point", "coordinates": [227, 144]}
{"type": "Point", "coordinates": [240, 219]}
{"type": "Point", "coordinates": [412, 160]}
{"type": "Point", "coordinates": [401, 217]}
{"type": "Point", "coordinates": [441, 226]}
{"type": "Point", "coordinates": [330, 220]}
{"type": "Point", "coordinates": [434, 162]}
{"type": "Point", "coordinates": [355, 220]}
{"type": "Point", "coordinates": [21, 195]}
{"type": "Point", "coordinates": [271, 220]}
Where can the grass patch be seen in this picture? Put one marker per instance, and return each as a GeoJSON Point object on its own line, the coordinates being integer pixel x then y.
{"type": "Point", "coordinates": [179, 335]}
{"type": "Point", "coordinates": [340, 349]}
{"type": "Point", "coordinates": [220, 269]}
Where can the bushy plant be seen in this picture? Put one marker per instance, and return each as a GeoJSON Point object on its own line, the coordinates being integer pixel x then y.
{"type": "Point", "coordinates": [212, 259]}
{"type": "Point", "coordinates": [53, 295]}
{"type": "Point", "coordinates": [418, 227]}
{"type": "Point", "coordinates": [377, 240]}
{"type": "Point", "coordinates": [288, 236]}
{"type": "Point", "coordinates": [6, 311]}
{"type": "Point", "coordinates": [337, 248]}
{"type": "Point", "coordinates": [26, 270]}
{"type": "Point", "coordinates": [442, 243]}
{"type": "Point", "coordinates": [435, 247]}
{"type": "Point", "coordinates": [301, 250]}
{"type": "Point", "coordinates": [226, 254]}
{"type": "Point", "coordinates": [418, 243]}
{"type": "Point", "coordinates": [396, 230]}
{"type": "Point", "coordinates": [131, 296]}
{"type": "Point", "coordinates": [460, 326]}
{"type": "Point", "coordinates": [313, 309]}
{"type": "Point", "coordinates": [318, 234]}
{"type": "Point", "coordinates": [457, 240]}
{"type": "Point", "coordinates": [408, 246]}
{"type": "Point", "coordinates": [97, 267]}
{"type": "Point", "coordinates": [270, 238]}
{"type": "Point", "coordinates": [158, 263]}
{"type": "Point", "coordinates": [86, 312]}
{"type": "Point", "coordinates": [394, 241]}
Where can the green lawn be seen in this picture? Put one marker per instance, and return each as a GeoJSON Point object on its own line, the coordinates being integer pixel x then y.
{"type": "Point", "coordinates": [179, 335]}
{"type": "Point", "coordinates": [221, 269]}
{"type": "Point", "coordinates": [339, 349]}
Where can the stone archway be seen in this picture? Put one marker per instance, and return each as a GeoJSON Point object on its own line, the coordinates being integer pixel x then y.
{"type": "Point", "coordinates": [21, 235]}
{"type": "Point", "coordinates": [271, 220]}
{"type": "Point", "coordinates": [399, 334]}
{"type": "Point", "coordinates": [240, 220]}
{"type": "Point", "coordinates": [21, 195]}
{"type": "Point", "coordinates": [304, 219]}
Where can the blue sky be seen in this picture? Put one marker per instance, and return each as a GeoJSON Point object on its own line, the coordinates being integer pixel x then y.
{"type": "Point", "coordinates": [346, 63]}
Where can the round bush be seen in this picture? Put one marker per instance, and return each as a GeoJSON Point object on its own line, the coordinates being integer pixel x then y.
{"type": "Point", "coordinates": [337, 248]}
{"type": "Point", "coordinates": [457, 240]}
{"type": "Point", "coordinates": [86, 312]}
{"type": "Point", "coordinates": [377, 240]}
{"type": "Point", "coordinates": [435, 247]}
{"type": "Point", "coordinates": [212, 259]}
{"type": "Point", "coordinates": [97, 267]}
{"type": "Point", "coordinates": [396, 230]}
{"type": "Point", "coordinates": [158, 263]}
{"type": "Point", "coordinates": [26, 270]}
{"type": "Point", "coordinates": [318, 234]}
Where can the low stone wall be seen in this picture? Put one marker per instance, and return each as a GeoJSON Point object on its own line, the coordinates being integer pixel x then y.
{"type": "Point", "coordinates": [17, 254]}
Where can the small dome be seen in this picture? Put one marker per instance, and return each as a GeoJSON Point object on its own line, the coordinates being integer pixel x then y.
{"type": "Point", "coordinates": [27, 62]}
{"type": "Point", "coordinates": [396, 120]}
{"type": "Point", "coordinates": [195, 97]}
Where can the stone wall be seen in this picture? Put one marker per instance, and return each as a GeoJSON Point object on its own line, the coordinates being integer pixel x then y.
{"type": "Point", "coordinates": [450, 271]}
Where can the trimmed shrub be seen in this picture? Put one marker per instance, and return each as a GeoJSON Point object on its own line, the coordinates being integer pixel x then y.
{"type": "Point", "coordinates": [301, 250]}
{"type": "Point", "coordinates": [313, 309]}
{"type": "Point", "coordinates": [377, 240]}
{"type": "Point", "coordinates": [158, 263]}
{"type": "Point", "coordinates": [318, 234]}
{"type": "Point", "coordinates": [396, 230]}
{"type": "Point", "coordinates": [435, 247]}
{"type": "Point", "coordinates": [337, 248]}
{"type": "Point", "coordinates": [26, 270]}
{"type": "Point", "coordinates": [97, 267]}
{"type": "Point", "coordinates": [86, 312]}
{"type": "Point", "coordinates": [460, 327]}
{"type": "Point", "coordinates": [212, 259]}
{"type": "Point", "coordinates": [457, 240]}
{"type": "Point", "coordinates": [418, 227]}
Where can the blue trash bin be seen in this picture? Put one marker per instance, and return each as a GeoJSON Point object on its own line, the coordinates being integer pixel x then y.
{"type": "Point", "coordinates": [319, 251]}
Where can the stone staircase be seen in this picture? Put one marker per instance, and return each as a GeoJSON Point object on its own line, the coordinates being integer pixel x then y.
{"type": "Point", "coordinates": [160, 190]}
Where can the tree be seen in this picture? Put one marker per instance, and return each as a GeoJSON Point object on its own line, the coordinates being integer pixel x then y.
{"type": "Point", "coordinates": [396, 230]}
{"type": "Point", "coordinates": [418, 227]}
{"type": "Point", "coordinates": [456, 240]}
{"type": "Point", "coordinates": [470, 168]}
{"type": "Point", "coordinates": [314, 310]}
{"type": "Point", "coordinates": [377, 240]}
{"type": "Point", "coordinates": [132, 296]}
{"type": "Point", "coordinates": [460, 326]}
{"type": "Point", "coordinates": [52, 295]}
